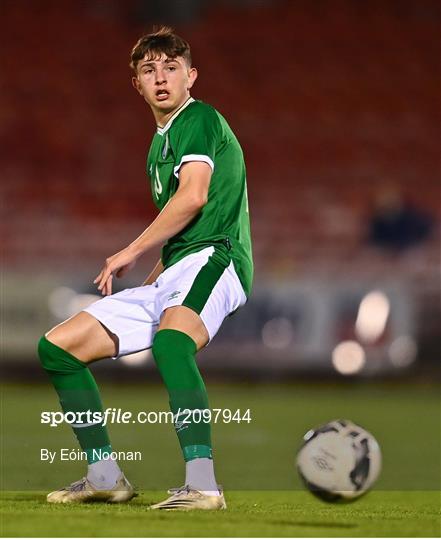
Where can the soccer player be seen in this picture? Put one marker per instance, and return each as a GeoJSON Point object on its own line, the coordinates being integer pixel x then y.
{"type": "Point", "coordinates": [197, 177]}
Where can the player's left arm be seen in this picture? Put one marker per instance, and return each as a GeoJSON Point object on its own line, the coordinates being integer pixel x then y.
{"type": "Point", "coordinates": [189, 199]}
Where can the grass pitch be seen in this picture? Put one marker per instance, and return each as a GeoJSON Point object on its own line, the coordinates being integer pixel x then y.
{"type": "Point", "coordinates": [254, 461]}
{"type": "Point", "coordinates": [252, 513]}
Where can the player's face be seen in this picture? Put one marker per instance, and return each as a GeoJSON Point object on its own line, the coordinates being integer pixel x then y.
{"type": "Point", "coordinates": [164, 82]}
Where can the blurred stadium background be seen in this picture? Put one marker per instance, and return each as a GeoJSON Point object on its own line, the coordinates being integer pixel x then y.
{"type": "Point", "coordinates": [336, 105]}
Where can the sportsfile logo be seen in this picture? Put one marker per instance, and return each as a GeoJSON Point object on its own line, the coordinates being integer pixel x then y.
{"type": "Point", "coordinates": [180, 419]}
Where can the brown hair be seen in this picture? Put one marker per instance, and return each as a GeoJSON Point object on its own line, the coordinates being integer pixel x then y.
{"type": "Point", "coordinates": [161, 41]}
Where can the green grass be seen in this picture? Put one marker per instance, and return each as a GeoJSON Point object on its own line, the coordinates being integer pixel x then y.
{"type": "Point", "coordinates": [255, 463]}
{"type": "Point", "coordinates": [278, 514]}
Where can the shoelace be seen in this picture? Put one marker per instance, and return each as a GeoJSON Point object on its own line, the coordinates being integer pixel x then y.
{"type": "Point", "coordinates": [79, 485]}
{"type": "Point", "coordinates": [182, 489]}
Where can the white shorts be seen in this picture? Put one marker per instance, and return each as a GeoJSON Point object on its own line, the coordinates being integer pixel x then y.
{"type": "Point", "coordinates": [205, 281]}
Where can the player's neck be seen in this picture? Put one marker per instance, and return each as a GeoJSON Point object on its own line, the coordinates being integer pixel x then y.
{"type": "Point", "coordinates": [162, 118]}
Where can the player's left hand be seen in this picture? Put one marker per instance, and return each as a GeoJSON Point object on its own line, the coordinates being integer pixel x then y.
{"type": "Point", "coordinates": [118, 265]}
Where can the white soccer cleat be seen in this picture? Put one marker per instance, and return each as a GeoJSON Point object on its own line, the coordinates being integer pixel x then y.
{"type": "Point", "coordinates": [84, 491]}
{"type": "Point", "coordinates": [187, 498]}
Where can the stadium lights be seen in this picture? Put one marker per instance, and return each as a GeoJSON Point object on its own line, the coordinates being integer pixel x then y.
{"type": "Point", "coordinates": [277, 333]}
{"type": "Point", "coordinates": [58, 301]}
{"type": "Point", "coordinates": [348, 357]}
{"type": "Point", "coordinates": [81, 301]}
{"type": "Point", "coordinates": [64, 302]}
{"type": "Point", "coordinates": [372, 317]}
{"type": "Point", "coordinates": [137, 359]}
{"type": "Point", "coordinates": [402, 351]}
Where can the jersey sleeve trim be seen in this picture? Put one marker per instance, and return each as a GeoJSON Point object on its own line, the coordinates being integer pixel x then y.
{"type": "Point", "coordinates": [193, 157]}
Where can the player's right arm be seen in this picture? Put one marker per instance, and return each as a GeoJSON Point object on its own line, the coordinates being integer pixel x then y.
{"type": "Point", "coordinates": [153, 276]}
{"type": "Point", "coordinates": [189, 199]}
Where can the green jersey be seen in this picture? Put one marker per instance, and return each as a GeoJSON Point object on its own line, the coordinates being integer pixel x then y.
{"type": "Point", "coordinates": [197, 132]}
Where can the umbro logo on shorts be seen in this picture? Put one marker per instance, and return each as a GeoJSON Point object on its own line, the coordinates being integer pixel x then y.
{"type": "Point", "coordinates": [174, 295]}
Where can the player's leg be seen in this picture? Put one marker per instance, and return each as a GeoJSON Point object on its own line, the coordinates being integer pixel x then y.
{"type": "Point", "coordinates": [84, 337]}
{"type": "Point", "coordinates": [180, 335]}
{"type": "Point", "coordinates": [182, 331]}
{"type": "Point", "coordinates": [64, 353]}
{"type": "Point", "coordinates": [214, 293]}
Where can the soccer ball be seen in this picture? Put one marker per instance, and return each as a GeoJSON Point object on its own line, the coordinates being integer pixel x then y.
{"type": "Point", "coordinates": [339, 462]}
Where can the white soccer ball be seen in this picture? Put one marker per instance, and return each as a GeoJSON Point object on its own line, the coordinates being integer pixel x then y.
{"type": "Point", "coordinates": [339, 462]}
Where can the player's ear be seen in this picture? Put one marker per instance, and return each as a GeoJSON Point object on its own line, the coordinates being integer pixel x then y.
{"type": "Point", "coordinates": [192, 76]}
{"type": "Point", "coordinates": [136, 85]}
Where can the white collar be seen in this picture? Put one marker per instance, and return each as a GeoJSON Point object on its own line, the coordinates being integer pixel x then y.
{"type": "Point", "coordinates": [162, 130]}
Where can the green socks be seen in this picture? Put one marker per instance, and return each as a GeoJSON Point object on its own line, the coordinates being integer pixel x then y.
{"type": "Point", "coordinates": [78, 392]}
{"type": "Point", "coordinates": [174, 353]}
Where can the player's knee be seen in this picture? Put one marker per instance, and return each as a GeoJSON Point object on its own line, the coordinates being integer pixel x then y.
{"type": "Point", "coordinates": [58, 337]}
{"type": "Point", "coordinates": [54, 359]}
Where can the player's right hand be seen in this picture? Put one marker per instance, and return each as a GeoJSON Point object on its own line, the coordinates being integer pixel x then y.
{"type": "Point", "coordinates": [118, 265]}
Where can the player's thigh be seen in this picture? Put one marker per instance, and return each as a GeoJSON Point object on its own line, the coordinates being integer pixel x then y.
{"type": "Point", "coordinates": [211, 294]}
{"type": "Point", "coordinates": [84, 337]}
{"type": "Point", "coordinates": [185, 320]}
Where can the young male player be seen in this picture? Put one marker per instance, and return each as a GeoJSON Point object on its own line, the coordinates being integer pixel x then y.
{"type": "Point", "coordinates": [197, 176]}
